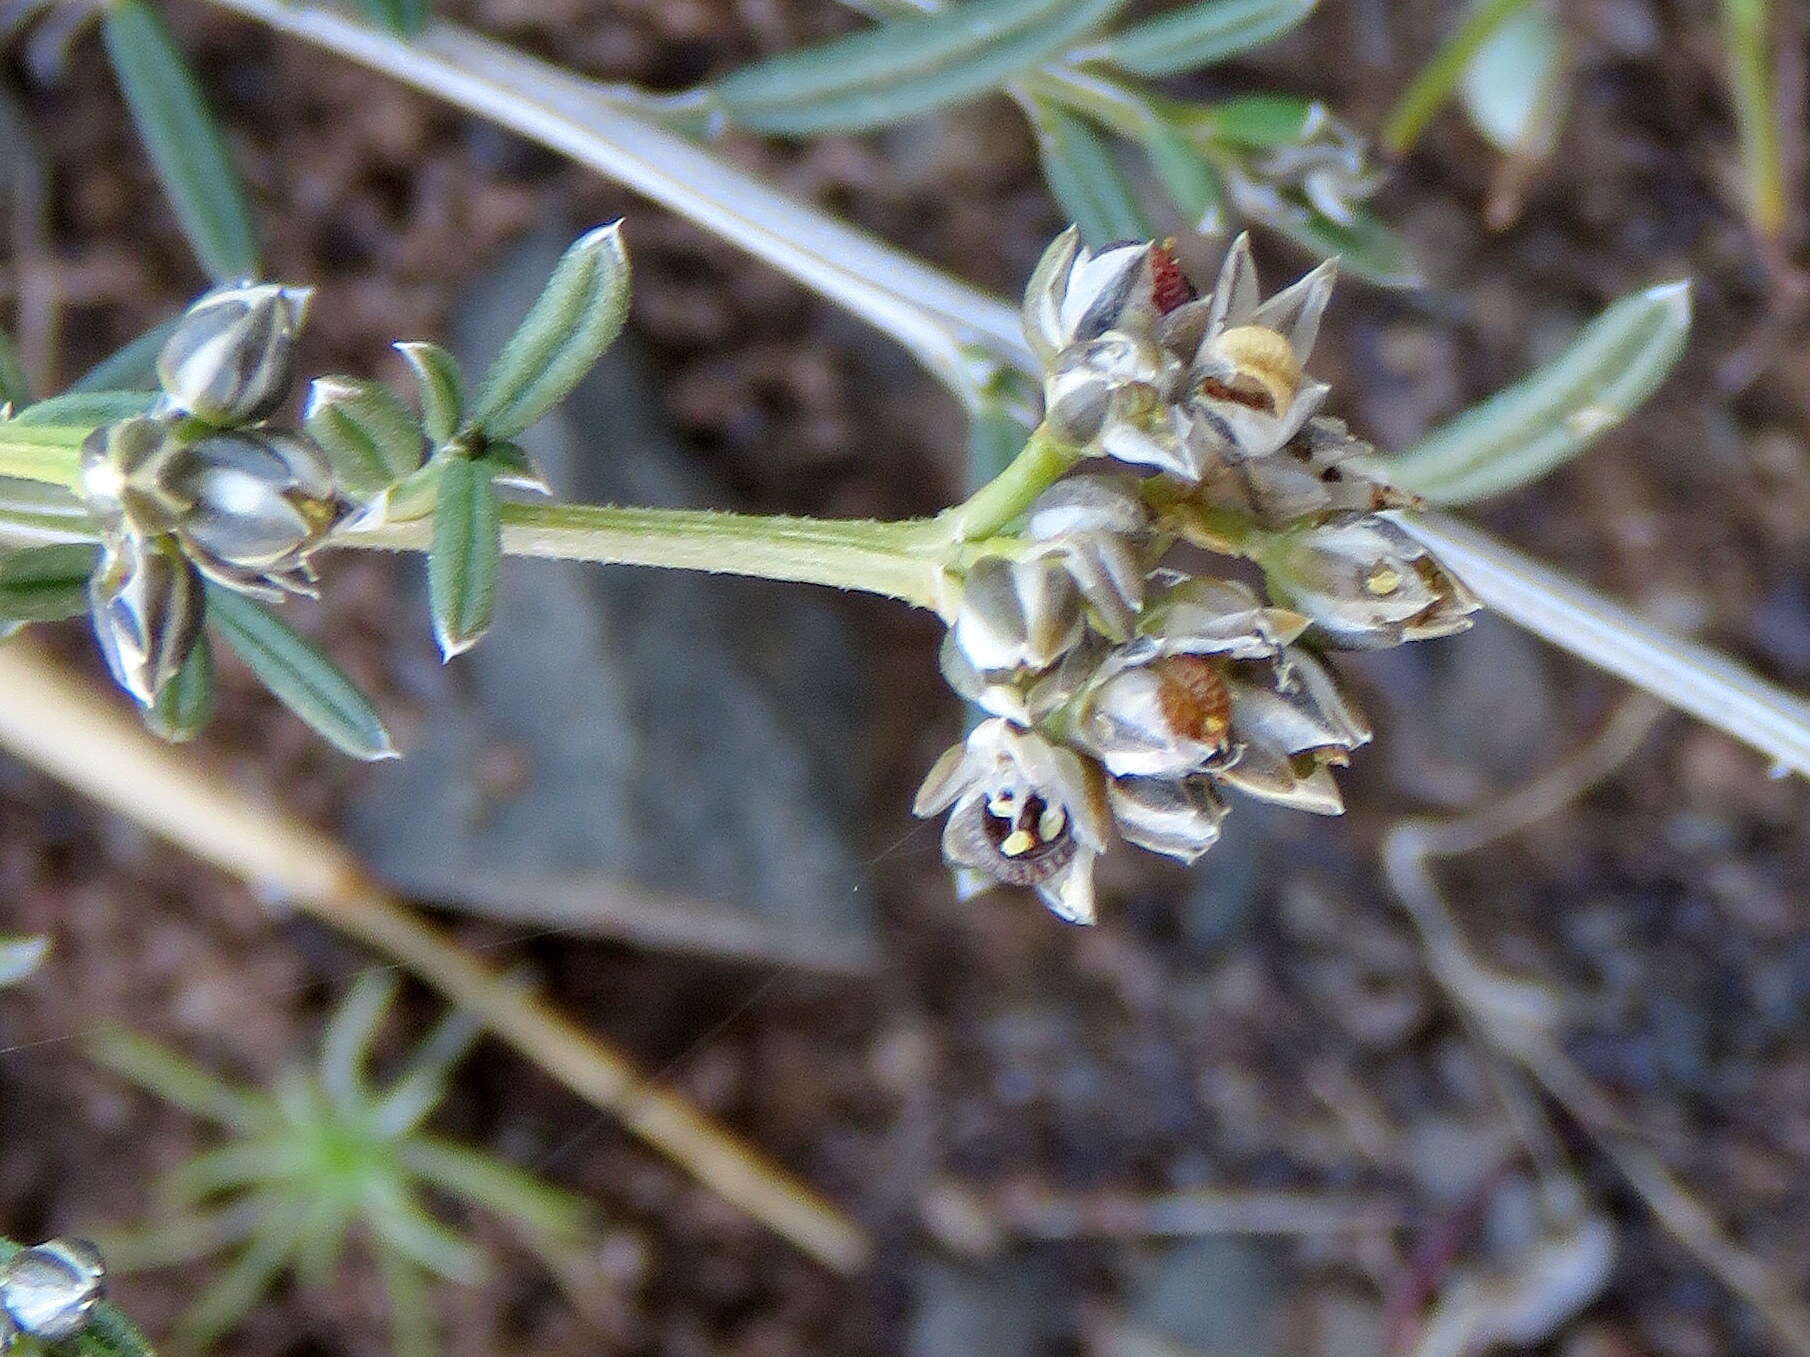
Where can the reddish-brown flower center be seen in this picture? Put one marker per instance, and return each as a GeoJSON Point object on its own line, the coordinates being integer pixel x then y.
{"type": "Point", "coordinates": [1195, 700]}
{"type": "Point", "coordinates": [1170, 287]}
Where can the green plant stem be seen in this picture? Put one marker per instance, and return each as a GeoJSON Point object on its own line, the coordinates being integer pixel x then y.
{"type": "Point", "coordinates": [1434, 85]}
{"type": "Point", "coordinates": [41, 452]}
{"type": "Point", "coordinates": [1009, 494]}
{"type": "Point", "coordinates": [899, 560]}
{"type": "Point", "coordinates": [1746, 29]}
{"type": "Point", "coordinates": [894, 559]}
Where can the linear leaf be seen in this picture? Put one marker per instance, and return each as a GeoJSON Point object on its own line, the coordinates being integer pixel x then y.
{"type": "Point", "coordinates": [1255, 121]}
{"type": "Point", "coordinates": [1191, 183]}
{"type": "Point", "coordinates": [405, 18]}
{"type": "Point", "coordinates": [1523, 432]}
{"type": "Point", "coordinates": [132, 367]}
{"type": "Point", "coordinates": [185, 703]}
{"type": "Point", "coordinates": [900, 70]}
{"type": "Point", "coordinates": [87, 407]}
{"type": "Point", "coordinates": [1437, 79]}
{"type": "Point", "coordinates": [1514, 89]}
{"type": "Point", "coordinates": [442, 388]}
{"type": "Point", "coordinates": [305, 680]}
{"type": "Point", "coordinates": [466, 554]}
{"type": "Point", "coordinates": [1365, 246]}
{"type": "Point", "coordinates": [185, 144]}
{"type": "Point", "coordinates": [1199, 35]}
{"type": "Point", "coordinates": [371, 438]}
{"type": "Point", "coordinates": [1084, 177]}
{"type": "Point", "coordinates": [45, 584]}
{"type": "Point", "coordinates": [573, 321]}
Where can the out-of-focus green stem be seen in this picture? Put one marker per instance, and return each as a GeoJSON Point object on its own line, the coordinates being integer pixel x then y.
{"type": "Point", "coordinates": [1434, 85]}
{"type": "Point", "coordinates": [1747, 29]}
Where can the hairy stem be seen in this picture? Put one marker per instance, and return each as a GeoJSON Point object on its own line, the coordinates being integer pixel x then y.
{"type": "Point", "coordinates": [899, 560]}
{"type": "Point", "coordinates": [1009, 494]}
{"type": "Point", "coordinates": [878, 558]}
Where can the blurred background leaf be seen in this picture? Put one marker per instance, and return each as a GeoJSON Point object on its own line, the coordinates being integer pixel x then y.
{"type": "Point", "coordinates": [185, 145]}
{"type": "Point", "coordinates": [1523, 432]}
{"type": "Point", "coordinates": [1088, 184]}
{"type": "Point", "coordinates": [1198, 35]}
{"type": "Point", "coordinates": [905, 68]}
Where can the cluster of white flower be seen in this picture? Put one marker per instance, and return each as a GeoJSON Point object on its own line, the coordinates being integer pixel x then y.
{"type": "Point", "coordinates": [201, 487]}
{"type": "Point", "coordinates": [1124, 695]}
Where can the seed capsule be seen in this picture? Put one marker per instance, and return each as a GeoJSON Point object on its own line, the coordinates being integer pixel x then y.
{"type": "Point", "coordinates": [50, 1290]}
{"type": "Point", "coordinates": [231, 358]}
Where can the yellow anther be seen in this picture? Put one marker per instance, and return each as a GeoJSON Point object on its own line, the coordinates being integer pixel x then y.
{"type": "Point", "coordinates": [1018, 843]}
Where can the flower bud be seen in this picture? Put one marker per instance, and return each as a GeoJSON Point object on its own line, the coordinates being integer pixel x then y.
{"type": "Point", "coordinates": [1367, 583]}
{"type": "Point", "coordinates": [231, 358]}
{"type": "Point", "coordinates": [125, 468]}
{"type": "Point", "coordinates": [257, 503]}
{"type": "Point", "coordinates": [1017, 614]}
{"type": "Point", "coordinates": [1178, 817]}
{"type": "Point", "coordinates": [1094, 525]}
{"type": "Point", "coordinates": [147, 606]}
{"type": "Point", "coordinates": [49, 1291]}
{"type": "Point", "coordinates": [1025, 812]}
{"type": "Point", "coordinates": [1117, 378]}
{"type": "Point", "coordinates": [1290, 723]}
{"type": "Point", "coordinates": [1076, 294]}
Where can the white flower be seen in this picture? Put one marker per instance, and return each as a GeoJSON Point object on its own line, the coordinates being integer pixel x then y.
{"type": "Point", "coordinates": [1023, 811]}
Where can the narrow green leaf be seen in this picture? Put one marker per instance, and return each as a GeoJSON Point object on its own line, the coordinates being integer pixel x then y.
{"type": "Point", "coordinates": [304, 679]}
{"type": "Point", "coordinates": [1365, 246]}
{"type": "Point", "coordinates": [442, 389]}
{"type": "Point", "coordinates": [111, 1334]}
{"type": "Point", "coordinates": [185, 703]}
{"type": "Point", "coordinates": [1436, 81]}
{"type": "Point", "coordinates": [19, 957]}
{"type": "Point", "coordinates": [185, 145]}
{"type": "Point", "coordinates": [176, 1079]}
{"type": "Point", "coordinates": [572, 322]}
{"type": "Point", "coordinates": [511, 468]}
{"type": "Point", "coordinates": [368, 434]}
{"type": "Point", "coordinates": [405, 18]}
{"type": "Point", "coordinates": [15, 390]}
{"type": "Point", "coordinates": [1254, 122]}
{"type": "Point", "coordinates": [1522, 433]}
{"type": "Point", "coordinates": [1084, 177]}
{"type": "Point", "coordinates": [1513, 89]}
{"type": "Point", "coordinates": [466, 554]}
{"type": "Point", "coordinates": [1199, 35]}
{"type": "Point", "coordinates": [483, 1181]}
{"type": "Point", "coordinates": [1191, 183]}
{"type": "Point", "coordinates": [131, 368]}
{"type": "Point", "coordinates": [904, 69]}
{"type": "Point", "coordinates": [45, 584]}
{"type": "Point", "coordinates": [87, 407]}
{"type": "Point", "coordinates": [1748, 31]}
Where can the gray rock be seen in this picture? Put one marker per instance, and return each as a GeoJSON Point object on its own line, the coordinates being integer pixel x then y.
{"type": "Point", "coordinates": [658, 754]}
{"type": "Point", "coordinates": [1218, 1296]}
